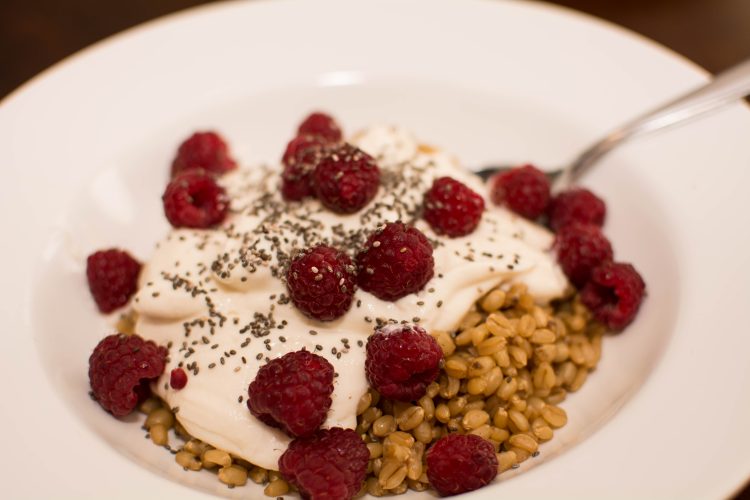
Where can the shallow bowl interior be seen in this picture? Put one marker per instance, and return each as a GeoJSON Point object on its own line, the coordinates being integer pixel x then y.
{"type": "Point", "coordinates": [120, 206]}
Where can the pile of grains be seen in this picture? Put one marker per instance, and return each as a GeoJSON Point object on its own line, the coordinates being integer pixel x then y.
{"type": "Point", "coordinates": [506, 370]}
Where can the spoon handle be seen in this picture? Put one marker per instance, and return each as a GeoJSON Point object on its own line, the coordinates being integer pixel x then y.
{"type": "Point", "coordinates": [726, 87]}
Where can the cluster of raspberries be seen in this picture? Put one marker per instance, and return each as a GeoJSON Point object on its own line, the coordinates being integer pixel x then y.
{"type": "Point", "coordinates": [293, 393]}
{"type": "Point", "coordinates": [317, 163]}
{"type": "Point", "coordinates": [121, 367]}
{"type": "Point", "coordinates": [396, 260]}
{"type": "Point", "coordinates": [613, 291]}
{"type": "Point", "coordinates": [193, 198]}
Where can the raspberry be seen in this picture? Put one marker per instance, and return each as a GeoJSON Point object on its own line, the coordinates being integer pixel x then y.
{"type": "Point", "coordinates": [322, 125]}
{"type": "Point", "coordinates": [292, 392]}
{"type": "Point", "coordinates": [194, 199]}
{"type": "Point", "coordinates": [402, 361]}
{"type": "Point", "coordinates": [329, 465]}
{"type": "Point", "coordinates": [300, 158]}
{"type": "Point", "coordinates": [113, 278]}
{"type": "Point", "coordinates": [580, 248]}
{"type": "Point", "coordinates": [396, 261]}
{"type": "Point", "coordinates": [524, 190]}
{"type": "Point", "coordinates": [120, 368]}
{"type": "Point", "coordinates": [178, 379]}
{"type": "Point", "coordinates": [458, 463]}
{"type": "Point", "coordinates": [346, 179]}
{"type": "Point", "coordinates": [576, 205]}
{"type": "Point", "coordinates": [614, 293]}
{"type": "Point", "coordinates": [321, 282]}
{"type": "Point", "coordinates": [452, 208]}
{"type": "Point", "coordinates": [203, 150]}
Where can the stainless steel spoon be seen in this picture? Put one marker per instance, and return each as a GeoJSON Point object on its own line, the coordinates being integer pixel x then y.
{"type": "Point", "coordinates": [726, 87]}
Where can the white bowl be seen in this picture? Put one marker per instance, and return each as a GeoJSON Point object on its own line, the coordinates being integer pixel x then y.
{"type": "Point", "coordinates": [87, 147]}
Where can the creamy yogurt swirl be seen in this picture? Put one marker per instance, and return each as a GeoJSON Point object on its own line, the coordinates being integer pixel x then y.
{"type": "Point", "coordinates": [216, 297]}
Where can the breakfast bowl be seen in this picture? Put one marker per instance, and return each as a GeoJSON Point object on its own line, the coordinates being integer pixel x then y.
{"type": "Point", "coordinates": [90, 143]}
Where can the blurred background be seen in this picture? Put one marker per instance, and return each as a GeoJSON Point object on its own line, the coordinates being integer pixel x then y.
{"type": "Point", "coordinates": [35, 34]}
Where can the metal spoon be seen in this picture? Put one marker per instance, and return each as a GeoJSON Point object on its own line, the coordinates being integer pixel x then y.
{"type": "Point", "coordinates": [726, 87]}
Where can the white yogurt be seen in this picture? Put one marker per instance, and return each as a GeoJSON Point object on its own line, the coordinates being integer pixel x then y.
{"type": "Point", "coordinates": [216, 298]}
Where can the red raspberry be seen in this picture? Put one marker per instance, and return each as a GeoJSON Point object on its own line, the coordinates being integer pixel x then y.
{"type": "Point", "coordinates": [580, 248]}
{"type": "Point", "coordinates": [402, 360]}
{"type": "Point", "coordinates": [329, 465]}
{"type": "Point", "coordinates": [119, 371]}
{"type": "Point", "coordinates": [113, 278]}
{"type": "Point", "coordinates": [292, 392]}
{"type": "Point", "coordinates": [576, 205]}
{"type": "Point", "coordinates": [178, 379]}
{"type": "Point", "coordinates": [614, 293]}
{"type": "Point", "coordinates": [194, 199]}
{"type": "Point", "coordinates": [396, 261]}
{"type": "Point", "coordinates": [300, 158]}
{"type": "Point", "coordinates": [346, 179]}
{"type": "Point", "coordinates": [321, 282]}
{"type": "Point", "coordinates": [524, 190]}
{"type": "Point", "coordinates": [452, 208]}
{"type": "Point", "coordinates": [322, 125]}
{"type": "Point", "coordinates": [203, 150]}
{"type": "Point", "coordinates": [458, 463]}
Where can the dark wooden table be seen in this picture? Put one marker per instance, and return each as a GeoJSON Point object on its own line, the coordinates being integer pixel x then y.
{"type": "Point", "coordinates": [35, 34]}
